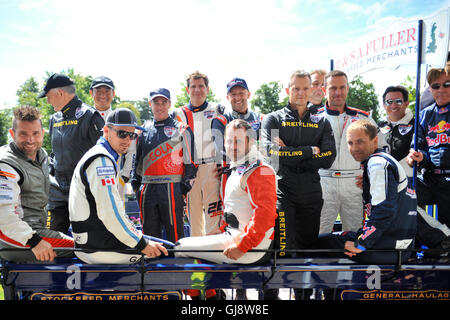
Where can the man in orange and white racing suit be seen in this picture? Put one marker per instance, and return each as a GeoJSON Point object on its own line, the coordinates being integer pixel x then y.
{"type": "Point", "coordinates": [249, 205]}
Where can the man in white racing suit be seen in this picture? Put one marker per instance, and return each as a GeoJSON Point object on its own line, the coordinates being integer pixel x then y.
{"type": "Point", "coordinates": [204, 207]}
{"type": "Point", "coordinates": [249, 205]}
{"type": "Point", "coordinates": [97, 213]}
{"type": "Point", "coordinates": [341, 195]}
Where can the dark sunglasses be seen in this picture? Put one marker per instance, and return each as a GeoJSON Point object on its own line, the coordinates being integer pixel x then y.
{"type": "Point", "coordinates": [122, 134]}
{"type": "Point", "coordinates": [436, 86]}
{"type": "Point", "coordinates": [391, 101]}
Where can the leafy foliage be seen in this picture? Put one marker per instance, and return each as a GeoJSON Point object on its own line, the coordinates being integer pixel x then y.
{"type": "Point", "coordinates": [362, 96]}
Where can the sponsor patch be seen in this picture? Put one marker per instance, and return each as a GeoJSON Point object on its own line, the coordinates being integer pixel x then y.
{"type": "Point", "coordinates": [5, 198]}
{"type": "Point", "coordinates": [255, 124]}
{"type": "Point", "coordinates": [316, 118]}
{"type": "Point", "coordinates": [108, 182]}
{"type": "Point", "coordinates": [6, 192]}
{"type": "Point", "coordinates": [7, 174]}
{"type": "Point", "coordinates": [169, 131]}
{"type": "Point", "coordinates": [79, 112]}
{"type": "Point", "coordinates": [208, 114]}
{"type": "Point", "coordinates": [404, 129]}
{"type": "Point", "coordinates": [385, 130]}
{"type": "Point", "coordinates": [105, 171]}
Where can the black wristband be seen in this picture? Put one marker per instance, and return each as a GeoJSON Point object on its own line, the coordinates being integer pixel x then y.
{"type": "Point", "coordinates": [34, 240]}
{"type": "Point", "coordinates": [141, 244]}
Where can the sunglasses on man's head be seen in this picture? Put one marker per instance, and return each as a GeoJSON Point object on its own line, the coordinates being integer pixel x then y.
{"type": "Point", "coordinates": [122, 134]}
{"type": "Point", "coordinates": [391, 101]}
{"type": "Point", "coordinates": [436, 86]}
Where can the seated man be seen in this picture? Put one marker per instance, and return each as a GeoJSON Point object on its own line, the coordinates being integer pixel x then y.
{"type": "Point", "coordinates": [24, 187]}
{"type": "Point", "coordinates": [249, 205]}
{"type": "Point", "coordinates": [97, 213]}
{"type": "Point", "coordinates": [389, 204]}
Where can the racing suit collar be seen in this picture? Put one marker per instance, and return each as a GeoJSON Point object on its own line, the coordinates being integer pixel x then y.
{"type": "Point", "coordinates": [442, 109]}
{"type": "Point", "coordinates": [70, 108]}
{"type": "Point", "coordinates": [406, 118]}
{"type": "Point", "coordinates": [347, 110]}
{"type": "Point", "coordinates": [103, 142]}
{"type": "Point", "coordinates": [162, 122]}
{"type": "Point", "coordinates": [295, 113]}
{"type": "Point", "coordinates": [250, 157]}
{"type": "Point", "coordinates": [363, 163]}
{"type": "Point", "coordinates": [238, 115]}
{"type": "Point", "coordinates": [199, 108]}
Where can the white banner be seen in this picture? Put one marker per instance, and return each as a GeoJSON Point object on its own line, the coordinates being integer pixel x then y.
{"type": "Point", "coordinates": [397, 45]}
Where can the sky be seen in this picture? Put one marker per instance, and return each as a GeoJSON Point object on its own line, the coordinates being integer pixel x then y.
{"type": "Point", "coordinates": [143, 44]}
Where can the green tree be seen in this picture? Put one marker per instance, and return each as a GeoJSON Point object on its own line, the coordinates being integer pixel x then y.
{"type": "Point", "coordinates": [132, 106]}
{"type": "Point", "coordinates": [144, 110]}
{"type": "Point", "coordinates": [267, 98]}
{"type": "Point", "coordinates": [5, 124]}
{"type": "Point", "coordinates": [410, 84]}
{"type": "Point", "coordinates": [362, 96]}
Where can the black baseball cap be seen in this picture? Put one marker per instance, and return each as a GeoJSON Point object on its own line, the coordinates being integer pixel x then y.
{"type": "Point", "coordinates": [102, 81]}
{"type": "Point", "coordinates": [56, 80]}
{"type": "Point", "coordinates": [123, 117]}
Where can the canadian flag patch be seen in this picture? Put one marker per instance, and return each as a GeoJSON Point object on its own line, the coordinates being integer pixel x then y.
{"type": "Point", "coordinates": [108, 182]}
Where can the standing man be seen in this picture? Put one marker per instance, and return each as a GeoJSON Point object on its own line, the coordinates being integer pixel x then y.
{"type": "Point", "coordinates": [164, 171]}
{"type": "Point", "coordinates": [204, 207]}
{"type": "Point", "coordinates": [433, 146]}
{"type": "Point", "coordinates": [317, 87]}
{"type": "Point", "coordinates": [298, 142]}
{"type": "Point", "coordinates": [398, 128]}
{"type": "Point", "coordinates": [238, 95]}
{"type": "Point", "coordinates": [97, 214]}
{"type": "Point", "coordinates": [74, 129]}
{"type": "Point", "coordinates": [340, 192]}
{"type": "Point", "coordinates": [103, 92]}
{"type": "Point", "coordinates": [24, 187]}
{"type": "Point", "coordinates": [389, 205]}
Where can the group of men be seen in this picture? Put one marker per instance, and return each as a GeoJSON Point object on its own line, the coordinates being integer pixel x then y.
{"type": "Point", "coordinates": [243, 181]}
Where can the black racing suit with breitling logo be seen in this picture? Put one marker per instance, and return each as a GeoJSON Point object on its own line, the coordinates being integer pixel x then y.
{"type": "Point", "coordinates": [73, 131]}
{"type": "Point", "coordinates": [299, 191]}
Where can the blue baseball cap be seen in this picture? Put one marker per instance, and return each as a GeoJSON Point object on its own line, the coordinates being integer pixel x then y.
{"type": "Point", "coordinates": [160, 92]}
{"type": "Point", "coordinates": [236, 82]}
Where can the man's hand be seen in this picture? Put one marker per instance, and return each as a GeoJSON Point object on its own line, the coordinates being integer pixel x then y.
{"type": "Point", "coordinates": [359, 181]}
{"type": "Point", "coordinates": [233, 252]}
{"type": "Point", "coordinates": [278, 141]}
{"type": "Point", "coordinates": [218, 171]}
{"type": "Point", "coordinates": [154, 249]}
{"type": "Point", "coordinates": [43, 251]}
{"type": "Point", "coordinates": [414, 156]}
{"type": "Point", "coordinates": [316, 150]}
{"type": "Point", "coordinates": [351, 249]}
